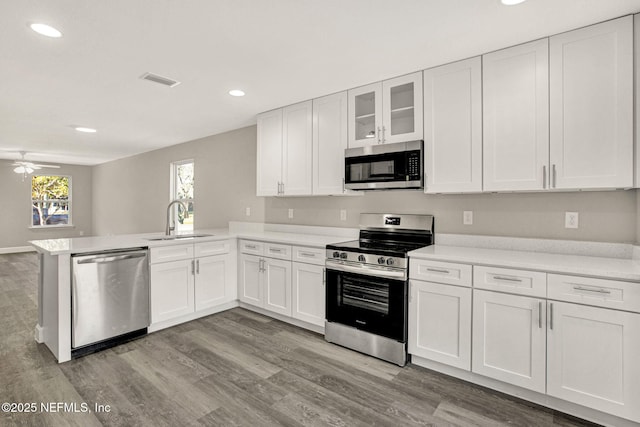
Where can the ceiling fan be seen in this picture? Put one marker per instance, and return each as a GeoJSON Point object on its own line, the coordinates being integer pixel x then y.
{"type": "Point", "coordinates": [24, 167]}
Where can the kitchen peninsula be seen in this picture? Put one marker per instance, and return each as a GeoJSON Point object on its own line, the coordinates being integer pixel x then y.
{"type": "Point", "coordinates": [172, 301]}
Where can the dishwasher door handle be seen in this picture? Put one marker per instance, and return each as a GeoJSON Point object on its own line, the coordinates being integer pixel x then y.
{"type": "Point", "coordinates": [105, 259]}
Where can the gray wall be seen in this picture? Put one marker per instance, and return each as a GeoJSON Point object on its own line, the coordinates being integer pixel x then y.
{"type": "Point", "coordinates": [604, 216]}
{"type": "Point", "coordinates": [15, 209]}
{"type": "Point", "coordinates": [134, 192]}
{"type": "Point", "coordinates": [130, 196]}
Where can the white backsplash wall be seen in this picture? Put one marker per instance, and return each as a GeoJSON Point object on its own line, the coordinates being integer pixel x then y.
{"type": "Point", "coordinates": [604, 216]}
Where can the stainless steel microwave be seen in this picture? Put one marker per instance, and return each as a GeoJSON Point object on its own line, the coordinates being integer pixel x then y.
{"type": "Point", "coordinates": [385, 166]}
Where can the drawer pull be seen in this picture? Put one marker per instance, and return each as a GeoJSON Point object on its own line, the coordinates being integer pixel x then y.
{"type": "Point", "coordinates": [276, 250]}
{"type": "Point", "coordinates": [507, 279]}
{"type": "Point", "coordinates": [439, 270]}
{"type": "Point", "coordinates": [307, 254]}
{"type": "Point", "coordinates": [599, 291]}
{"type": "Point", "coordinates": [250, 246]}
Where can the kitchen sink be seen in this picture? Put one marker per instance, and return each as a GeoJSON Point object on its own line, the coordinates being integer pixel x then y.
{"type": "Point", "coordinates": [179, 237]}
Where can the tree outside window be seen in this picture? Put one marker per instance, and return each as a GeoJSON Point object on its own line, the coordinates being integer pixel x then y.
{"type": "Point", "coordinates": [183, 173]}
{"type": "Point", "coordinates": [50, 201]}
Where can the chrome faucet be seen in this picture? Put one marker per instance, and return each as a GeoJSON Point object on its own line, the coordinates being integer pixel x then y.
{"type": "Point", "coordinates": [169, 229]}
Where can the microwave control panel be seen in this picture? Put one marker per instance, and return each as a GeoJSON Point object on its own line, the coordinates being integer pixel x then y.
{"type": "Point", "coordinates": [413, 165]}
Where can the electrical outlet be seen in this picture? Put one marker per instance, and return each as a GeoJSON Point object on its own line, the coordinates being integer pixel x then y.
{"type": "Point", "coordinates": [571, 220]}
{"type": "Point", "coordinates": [290, 213]}
{"type": "Point", "coordinates": [343, 214]}
{"type": "Point", "coordinates": [247, 211]}
{"type": "Point", "coordinates": [467, 217]}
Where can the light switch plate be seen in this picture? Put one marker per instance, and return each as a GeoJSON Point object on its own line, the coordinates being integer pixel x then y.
{"type": "Point", "coordinates": [467, 217]}
{"type": "Point", "coordinates": [247, 211]}
{"type": "Point", "coordinates": [343, 214]}
{"type": "Point", "coordinates": [290, 213]}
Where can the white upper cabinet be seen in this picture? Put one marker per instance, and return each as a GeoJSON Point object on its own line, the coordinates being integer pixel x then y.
{"type": "Point", "coordinates": [453, 127]}
{"type": "Point", "coordinates": [365, 115]}
{"type": "Point", "coordinates": [329, 143]}
{"type": "Point", "coordinates": [591, 78]}
{"type": "Point", "coordinates": [516, 117]}
{"type": "Point", "coordinates": [297, 149]}
{"type": "Point", "coordinates": [402, 108]}
{"type": "Point", "coordinates": [284, 155]}
{"type": "Point", "coordinates": [386, 112]}
{"type": "Point", "coordinates": [269, 153]}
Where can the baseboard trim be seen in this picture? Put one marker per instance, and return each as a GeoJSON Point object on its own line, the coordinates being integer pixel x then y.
{"type": "Point", "coordinates": [17, 249]}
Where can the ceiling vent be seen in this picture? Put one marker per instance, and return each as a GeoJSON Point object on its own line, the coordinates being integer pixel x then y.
{"type": "Point", "coordinates": [159, 79]}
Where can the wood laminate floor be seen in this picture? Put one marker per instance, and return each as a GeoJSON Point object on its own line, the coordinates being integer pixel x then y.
{"type": "Point", "coordinates": [235, 368]}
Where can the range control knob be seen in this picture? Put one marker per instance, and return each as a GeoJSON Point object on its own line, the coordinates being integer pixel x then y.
{"type": "Point", "coordinates": [336, 254]}
{"type": "Point", "coordinates": [381, 260]}
{"type": "Point", "coordinates": [390, 261]}
{"type": "Point", "coordinates": [343, 255]}
{"type": "Point", "coordinates": [362, 258]}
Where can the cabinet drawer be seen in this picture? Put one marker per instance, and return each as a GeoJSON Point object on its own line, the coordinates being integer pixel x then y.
{"type": "Point", "coordinates": [251, 247]}
{"type": "Point", "coordinates": [275, 250]}
{"type": "Point", "coordinates": [309, 255]}
{"type": "Point", "coordinates": [211, 248]}
{"type": "Point", "coordinates": [440, 272]}
{"type": "Point", "coordinates": [522, 282]}
{"type": "Point", "coordinates": [599, 292]}
{"type": "Point", "coordinates": [171, 253]}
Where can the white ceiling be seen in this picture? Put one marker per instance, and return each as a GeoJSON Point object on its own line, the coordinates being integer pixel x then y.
{"type": "Point", "coordinates": [278, 51]}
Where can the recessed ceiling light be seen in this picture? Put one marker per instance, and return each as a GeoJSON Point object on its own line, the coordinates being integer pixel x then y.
{"type": "Point", "coordinates": [511, 2]}
{"type": "Point", "coordinates": [236, 92]}
{"type": "Point", "coordinates": [86, 130]}
{"type": "Point", "coordinates": [46, 30]}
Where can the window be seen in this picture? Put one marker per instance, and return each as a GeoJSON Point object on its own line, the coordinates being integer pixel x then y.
{"type": "Point", "coordinates": [182, 182]}
{"type": "Point", "coordinates": [50, 201]}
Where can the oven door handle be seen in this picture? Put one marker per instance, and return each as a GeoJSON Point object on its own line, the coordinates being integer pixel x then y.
{"type": "Point", "coordinates": [367, 271]}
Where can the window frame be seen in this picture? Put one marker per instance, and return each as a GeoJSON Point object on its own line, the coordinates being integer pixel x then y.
{"type": "Point", "coordinates": [69, 201]}
{"type": "Point", "coordinates": [173, 196]}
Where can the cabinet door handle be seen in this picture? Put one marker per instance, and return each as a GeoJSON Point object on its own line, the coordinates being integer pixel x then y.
{"type": "Point", "coordinates": [324, 276]}
{"type": "Point", "coordinates": [261, 265]}
{"type": "Point", "coordinates": [551, 316]}
{"type": "Point", "coordinates": [193, 267]}
{"type": "Point", "coordinates": [343, 188]}
{"type": "Point", "coordinates": [544, 176]}
{"type": "Point", "coordinates": [540, 314]}
{"type": "Point", "coordinates": [439, 270]}
{"type": "Point", "coordinates": [197, 266]}
{"type": "Point", "coordinates": [384, 134]}
{"type": "Point", "coordinates": [599, 291]}
{"type": "Point", "coordinates": [507, 279]}
{"type": "Point", "coordinates": [282, 193]}
{"type": "Point", "coordinates": [553, 175]}
{"type": "Point", "coordinates": [379, 135]}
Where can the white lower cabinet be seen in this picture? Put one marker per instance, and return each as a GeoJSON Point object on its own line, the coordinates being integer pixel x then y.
{"type": "Point", "coordinates": [593, 356]}
{"type": "Point", "coordinates": [266, 282]}
{"type": "Point", "coordinates": [309, 293]}
{"type": "Point", "coordinates": [440, 323]}
{"type": "Point", "coordinates": [172, 293]}
{"type": "Point", "coordinates": [509, 339]}
{"type": "Point", "coordinates": [183, 283]}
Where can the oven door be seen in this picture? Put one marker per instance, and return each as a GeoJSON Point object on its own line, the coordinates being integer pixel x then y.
{"type": "Point", "coordinates": [367, 302]}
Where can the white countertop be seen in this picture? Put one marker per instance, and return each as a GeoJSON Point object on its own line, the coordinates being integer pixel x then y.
{"type": "Point", "coordinates": [611, 268]}
{"type": "Point", "coordinates": [78, 245]}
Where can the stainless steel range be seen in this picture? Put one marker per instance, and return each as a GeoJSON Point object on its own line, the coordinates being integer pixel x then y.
{"type": "Point", "coordinates": [367, 285]}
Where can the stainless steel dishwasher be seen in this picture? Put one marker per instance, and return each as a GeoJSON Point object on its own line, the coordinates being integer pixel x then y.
{"type": "Point", "coordinates": [109, 297]}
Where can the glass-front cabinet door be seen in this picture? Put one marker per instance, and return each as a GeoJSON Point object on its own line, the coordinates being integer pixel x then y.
{"type": "Point", "coordinates": [402, 116]}
{"type": "Point", "coordinates": [385, 112]}
{"type": "Point", "coordinates": [365, 115]}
